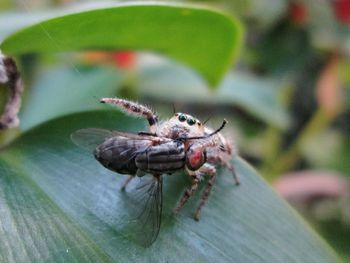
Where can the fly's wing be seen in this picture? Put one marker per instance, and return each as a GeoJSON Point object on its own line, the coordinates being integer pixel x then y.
{"type": "Point", "coordinates": [143, 197]}
{"type": "Point", "coordinates": [90, 138]}
{"type": "Point", "coordinates": [144, 200]}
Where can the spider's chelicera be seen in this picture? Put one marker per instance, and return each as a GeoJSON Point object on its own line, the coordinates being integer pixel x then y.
{"type": "Point", "coordinates": [180, 143]}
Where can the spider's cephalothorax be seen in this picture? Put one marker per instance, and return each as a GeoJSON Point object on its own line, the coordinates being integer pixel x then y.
{"type": "Point", "coordinates": [180, 125]}
{"type": "Point", "coordinates": [179, 143]}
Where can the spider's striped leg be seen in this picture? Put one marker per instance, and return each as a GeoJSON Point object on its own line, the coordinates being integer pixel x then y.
{"type": "Point", "coordinates": [231, 168]}
{"type": "Point", "coordinates": [189, 192]}
{"type": "Point", "coordinates": [214, 156]}
{"type": "Point", "coordinates": [211, 171]}
{"type": "Point", "coordinates": [135, 109]}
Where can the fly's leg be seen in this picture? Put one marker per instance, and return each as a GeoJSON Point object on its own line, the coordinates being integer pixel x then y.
{"type": "Point", "coordinates": [127, 181]}
{"type": "Point", "coordinates": [211, 171]}
{"type": "Point", "coordinates": [134, 109]}
{"type": "Point", "coordinates": [189, 192]}
{"type": "Point", "coordinates": [139, 173]}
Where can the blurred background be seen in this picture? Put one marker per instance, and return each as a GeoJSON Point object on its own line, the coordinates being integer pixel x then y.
{"type": "Point", "coordinates": [287, 99]}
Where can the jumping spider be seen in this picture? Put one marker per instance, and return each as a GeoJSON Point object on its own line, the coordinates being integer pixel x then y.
{"type": "Point", "coordinates": [180, 143]}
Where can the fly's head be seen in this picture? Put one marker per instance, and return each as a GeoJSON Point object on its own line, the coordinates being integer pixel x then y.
{"type": "Point", "coordinates": [195, 157]}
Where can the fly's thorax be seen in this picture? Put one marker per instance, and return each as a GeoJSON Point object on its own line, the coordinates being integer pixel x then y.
{"type": "Point", "coordinates": [167, 157]}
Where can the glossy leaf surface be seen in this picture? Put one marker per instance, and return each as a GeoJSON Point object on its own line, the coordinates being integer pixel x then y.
{"type": "Point", "coordinates": [199, 37]}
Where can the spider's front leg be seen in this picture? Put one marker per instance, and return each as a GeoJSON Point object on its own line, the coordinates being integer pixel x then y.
{"type": "Point", "coordinates": [189, 191]}
{"type": "Point", "coordinates": [196, 167]}
{"type": "Point", "coordinates": [231, 168]}
{"type": "Point", "coordinates": [135, 109]}
{"type": "Point", "coordinates": [211, 171]}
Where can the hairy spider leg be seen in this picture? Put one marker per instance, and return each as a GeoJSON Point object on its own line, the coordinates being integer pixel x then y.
{"type": "Point", "coordinates": [231, 168]}
{"type": "Point", "coordinates": [211, 171]}
{"type": "Point", "coordinates": [135, 109]}
{"type": "Point", "coordinates": [213, 157]}
{"type": "Point", "coordinates": [189, 191]}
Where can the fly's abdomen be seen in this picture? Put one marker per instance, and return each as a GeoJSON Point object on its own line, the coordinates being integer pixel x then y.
{"type": "Point", "coordinates": [118, 154]}
{"type": "Point", "coordinates": [164, 158]}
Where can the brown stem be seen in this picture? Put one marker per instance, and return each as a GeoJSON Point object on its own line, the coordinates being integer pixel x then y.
{"type": "Point", "coordinates": [10, 76]}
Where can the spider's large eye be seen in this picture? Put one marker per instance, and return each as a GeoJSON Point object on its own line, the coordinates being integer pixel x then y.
{"type": "Point", "coordinates": [191, 121]}
{"type": "Point", "coordinates": [182, 117]}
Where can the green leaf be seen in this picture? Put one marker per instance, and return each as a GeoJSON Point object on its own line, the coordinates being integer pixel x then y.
{"type": "Point", "coordinates": [59, 204]}
{"type": "Point", "coordinates": [19, 20]}
{"type": "Point", "coordinates": [201, 38]}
